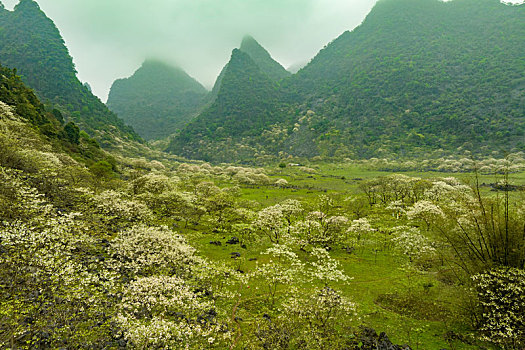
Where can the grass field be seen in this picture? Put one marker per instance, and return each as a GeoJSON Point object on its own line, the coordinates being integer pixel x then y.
{"type": "Point", "coordinates": [421, 309]}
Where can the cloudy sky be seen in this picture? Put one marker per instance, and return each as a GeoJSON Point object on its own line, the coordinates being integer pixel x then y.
{"type": "Point", "coordinates": [109, 39]}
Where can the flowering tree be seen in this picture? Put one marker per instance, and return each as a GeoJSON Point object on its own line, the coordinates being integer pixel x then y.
{"type": "Point", "coordinates": [281, 183]}
{"type": "Point", "coordinates": [313, 317]}
{"type": "Point", "coordinates": [412, 243]}
{"type": "Point", "coordinates": [284, 268]}
{"type": "Point", "coordinates": [143, 250]}
{"type": "Point", "coordinates": [426, 211]}
{"type": "Point", "coordinates": [318, 229]}
{"type": "Point", "coordinates": [117, 210]}
{"type": "Point", "coordinates": [360, 228]}
{"type": "Point", "coordinates": [501, 293]}
{"type": "Point", "coordinates": [164, 312]}
{"type": "Point", "coordinates": [270, 222]}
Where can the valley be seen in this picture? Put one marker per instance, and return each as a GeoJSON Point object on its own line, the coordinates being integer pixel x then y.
{"type": "Point", "coordinates": [372, 200]}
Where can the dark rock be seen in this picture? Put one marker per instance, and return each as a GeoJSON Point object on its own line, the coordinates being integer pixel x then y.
{"type": "Point", "coordinates": [243, 246]}
{"type": "Point", "coordinates": [217, 243]}
{"type": "Point", "coordinates": [207, 317]}
{"type": "Point", "coordinates": [235, 255]}
{"type": "Point", "coordinates": [371, 341]}
{"type": "Point", "coordinates": [233, 240]}
{"type": "Point", "coordinates": [203, 291]}
{"type": "Point", "coordinates": [252, 259]}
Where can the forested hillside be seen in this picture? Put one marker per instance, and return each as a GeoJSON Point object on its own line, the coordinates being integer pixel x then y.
{"type": "Point", "coordinates": [157, 99]}
{"type": "Point", "coordinates": [263, 59]}
{"type": "Point", "coordinates": [247, 103]}
{"type": "Point", "coordinates": [421, 74]}
{"type": "Point", "coordinates": [31, 43]}
{"type": "Point", "coordinates": [49, 125]}
{"type": "Point", "coordinates": [416, 76]}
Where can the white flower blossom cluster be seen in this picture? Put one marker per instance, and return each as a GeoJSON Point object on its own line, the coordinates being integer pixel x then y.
{"type": "Point", "coordinates": [412, 243]}
{"type": "Point", "coordinates": [513, 162]}
{"type": "Point", "coordinates": [114, 205]}
{"type": "Point", "coordinates": [425, 210]}
{"type": "Point", "coordinates": [360, 228]}
{"type": "Point", "coordinates": [501, 292]}
{"type": "Point", "coordinates": [6, 111]}
{"type": "Point", "coordinates": [154, 183]}
{"type": "Point", "coordinates": [270, 222]}
{"type": "Point", "coordinates": [164, 312]}
{"type": "Point", "coordinates": [144, 249]}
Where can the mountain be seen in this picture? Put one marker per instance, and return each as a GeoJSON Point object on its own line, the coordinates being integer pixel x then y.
{"type": "Point", "coordinates": [157, 99]}
{"type": "Point", "coordinates": [416, 77]}
{"type": "Point", "coordinates": [31, 43]}
{"type": "Point", "coordinates": [247, 103]}
{"type": "Point", "coordinates": [420, 75]}
{"type": "Point", "coordinates": [262, 59]}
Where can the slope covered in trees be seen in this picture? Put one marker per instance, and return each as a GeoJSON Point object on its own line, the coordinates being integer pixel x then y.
{"type": "Point", "coordinates": [263, 59]}
{"type": "Point", "coordinates": [415, 77]}
{"type": "Point", "coordinates": [21, 109]}
{"type": "Point", "coordinates": [157, 99]}
{"type": "Point", "coordinates": [31, 43]}
{"type": "Point", "coordinates": [422, 74]}
{"type": "Point", "coordinates": [247, 103]}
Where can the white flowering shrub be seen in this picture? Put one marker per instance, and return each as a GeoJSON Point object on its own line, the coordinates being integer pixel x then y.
{"type": "Point", "coordinates": [281, 183]}
{"type": "Point", "coordinates": [218, 203]}
{"type": "Point", "coordinates": [325, 268]}
{"type": "Point", "coordinates": [143, 250]}
{"type": "Point", "coordinates": [6, 111]}
{"type": "Point", "coordinates": [447, 189]}
{"type": "Point", "coordinates": [360, 229]}
{"type": "Point", "coordinates": [291, 209]}
{"type": "Point", "coordinates": [308, 231]}
{"type": "Point", "coordinates": [480, 230]}
{"type": "Point", "coordinates": [270, 223]}
{"type": "Point", "coordinates": [49, 287]}
{"type": "Point", "coordinates": [397, 208]}
{"type": "Point", "coordinates": [115, 207]}
{"type": "Point", "coordinates": [283, 268]}
{"type": "Point", "coordinates": [501, 292]}
{"type": "Point", "coordinates": [249, 177]}
{"type": "Point", "coordinates": [163, 312]}
{"type": "Point", "coordinates": [316, 318]}
{"type": "Point", "coordinates": [425, 211]}
{"type": "Point", "coordinates": [412, 243]}
{"type": "Point", "coordinates": [153, 183]}
{"type": "Point", "coordinates": [396, 187]}
{"type": "Point", "coordinates": [319, 229]}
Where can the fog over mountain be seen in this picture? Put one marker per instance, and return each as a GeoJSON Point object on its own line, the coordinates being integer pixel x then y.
{"type": "Point", "coordinates": [110, 39]}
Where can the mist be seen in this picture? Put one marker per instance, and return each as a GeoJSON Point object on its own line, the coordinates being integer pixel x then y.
{"type": "Point", "coordinates": [110, 39]}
